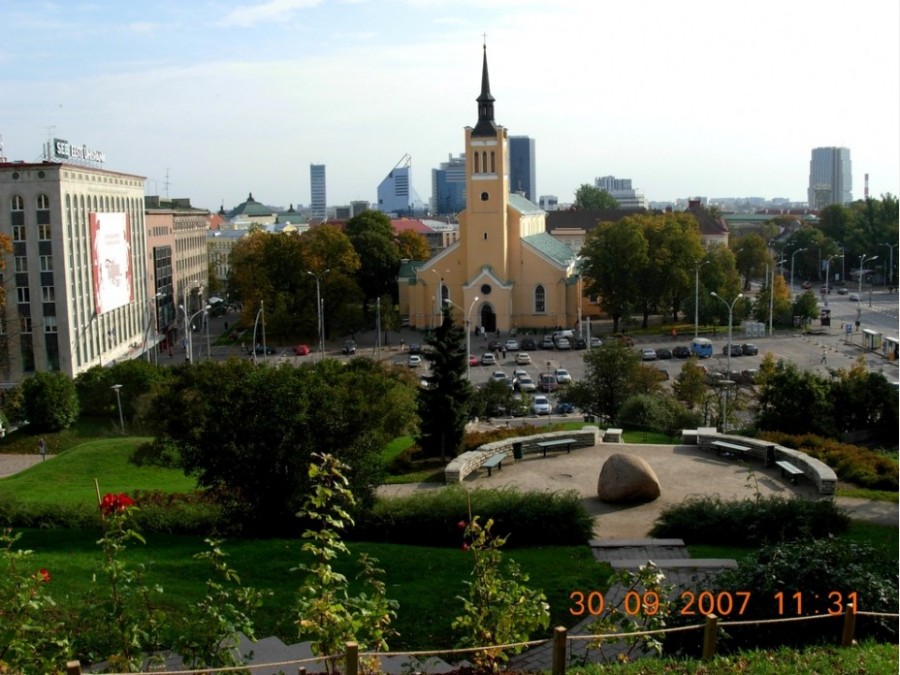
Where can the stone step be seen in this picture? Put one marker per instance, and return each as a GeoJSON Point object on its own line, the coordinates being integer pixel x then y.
{"type": "Point", "coordinates": [625, 543]}
{"type": "Point", "coordinates": [676, 563]}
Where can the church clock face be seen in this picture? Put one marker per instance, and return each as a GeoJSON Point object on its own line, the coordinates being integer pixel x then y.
{"type": "Point", "coordinates": [485, 289]}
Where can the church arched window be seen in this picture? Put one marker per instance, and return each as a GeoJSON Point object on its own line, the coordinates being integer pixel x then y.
{"type": "Point", "coordinates": [477, 159]}
{"type": "Point", "coordinates": [540, 301]}
{"type": "Point", "coordinates": [493, 165]}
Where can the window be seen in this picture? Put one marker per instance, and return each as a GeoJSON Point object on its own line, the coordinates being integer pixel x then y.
{"type": "Point", "coordinates": [21, 263]}
{"type": "Point", "coordinates": [46, 263]}
{"type": "Point", "coordinates": [43, 209]}
{"type": "Point", "coordinates": [18, 232]}
{"type": "Point", "coordinates": [540, 302]}
{"type": "Point", "coordinates": [24, 324]}
{"type": "Point", "coordinates": [50, 324]}
{"type": "Point", "coordinates": [22, 294]}
{"type": "Point", "coordinates": [44, 232]}
{"type": "Point", "coordinates": [48, 294]}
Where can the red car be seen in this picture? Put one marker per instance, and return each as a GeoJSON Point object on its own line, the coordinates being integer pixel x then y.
{"type": "Point", "coordinates": [301, 350]}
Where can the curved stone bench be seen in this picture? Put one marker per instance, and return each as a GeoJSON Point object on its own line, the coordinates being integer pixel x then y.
{"type": "Point", "coordinates": [822, 476]}
{"type": "Point", "coordinates": [472, 460]}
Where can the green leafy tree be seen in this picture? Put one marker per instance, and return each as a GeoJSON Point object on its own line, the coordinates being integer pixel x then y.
{"type": "Point", "coordinates": [806, 306]}
{"type": "Point", "coordinates": [795, 401]}
{"type": "Point", "coordinates": [751, 255]}
{"type": "Point", "coordinates": [590, 198]}
{"type": "Point", "coordinates": [445, 405]}
{"type": "Point", "coordinates": [372, 236]}
{"type": "Point", "coordinates": [137, 377]}
{"type": "Point", "coordinates": [610, 371]}
{"type": "Point", "coordinates": [781, 306]}
{"type": "Point", "coordinates": [50, 401]}
{"type": "Point", "coordinates": [690, 385]}
{"type": "Point", "coordinates": [250, 431]}
{"type": "Point", "coordinates": [412, 245]}
{"type": "Point", "coordinates": [864, 400]}
{"type": "Point", "coordinates": [492, 399]}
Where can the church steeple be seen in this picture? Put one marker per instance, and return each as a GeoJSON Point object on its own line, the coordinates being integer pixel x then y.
{"type": "Point", "coordinates": [485, 126]}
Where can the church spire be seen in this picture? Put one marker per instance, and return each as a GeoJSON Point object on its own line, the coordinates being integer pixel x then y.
{"type": "Point", "coordinates": [485, 126]}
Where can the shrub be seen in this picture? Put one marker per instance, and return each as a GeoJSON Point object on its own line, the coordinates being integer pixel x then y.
{"type": "Point", "coordinates": [827, 574]}
{"type": "Point", "coordinates": [852, 463]}
{"type": "Point", "coordinates": [710, 520]}
{"type": "Point", "coordinates": [523, 518]}
{"type": "Point", "coordinates": [159, 452]}
{"type": "Point", "coordinates": [50, 401]}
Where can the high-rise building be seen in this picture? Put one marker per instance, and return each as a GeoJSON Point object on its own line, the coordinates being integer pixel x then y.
{"type": "Point", "coordinates": [620, 189]}
{"type": "Point", "coordinates": [448, 186]}
{"type": "Point", "coordinates": [522, 167]}
{"type": "Point", "coordinates": [317, 202]}
{"type": "Point", "coordinates": [396, 194]}
{"type": "Point", "coordinates": [830, 178]}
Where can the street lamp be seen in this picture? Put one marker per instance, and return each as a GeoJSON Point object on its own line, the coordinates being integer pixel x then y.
{"type": "Point", "coordinates": [697, 266]}
{"type": "Point", "coordinates": [320, 309]}
{"type": "Point", "coordinates": [890, 264]}
{"type": "Point", "coordinates": [772, 295]}
{"type": "Point", "coordinates": [469, 338]}
{"type": "Point", "coordinates": [184, 307]}
{"type": "Point", "coordinates": [116, 388]}
{"type": "Point", "coordinates": [828, 275]}
{"type": "Point", "coordinates": [862, 272]}
{"type": "Point", "coordinates": [799, 250]}
{"type": "Point", "coordinates": [255, 324]}
{"type": "Point", "coordinates": [189, 329]}
{"type": "Point", "coordinates": [728, 366]}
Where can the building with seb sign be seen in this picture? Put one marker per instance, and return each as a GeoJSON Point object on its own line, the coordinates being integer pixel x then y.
{"type": "Point", "coordinates": [74, 281]}
{"type": "Point", "coordinates": [504, 271]}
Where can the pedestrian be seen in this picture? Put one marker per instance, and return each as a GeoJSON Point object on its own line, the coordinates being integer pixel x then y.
{"type": "Point", "coordinates": [42, 446]}
{"type": "Point", "coordinates": [674, 334]}
{"type": "Point", "coordinates": [824, 358]}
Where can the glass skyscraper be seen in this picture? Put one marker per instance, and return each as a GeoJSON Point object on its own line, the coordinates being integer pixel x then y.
{"type": "Point", "coordinates": [522, 167]}
{"type": "Point", "coordinates": [317, 203]}
{"type": "Point", "coordinates": [830, 177]}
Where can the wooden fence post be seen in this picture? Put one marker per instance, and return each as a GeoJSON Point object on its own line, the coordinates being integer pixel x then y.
{"type": "Point", "coordinates": [73, 667]}
{"type": "Point", "coordinates": [710, 635]}
{"type": "Point", "coordinates": [849, 633]}
{"type": "Point", "coordinates": [559, 650]}
{"type": "Point", "coordinates": [351, 659]}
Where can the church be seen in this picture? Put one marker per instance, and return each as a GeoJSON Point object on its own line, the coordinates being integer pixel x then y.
{"type": "Point", "coordinates": [504, 272]}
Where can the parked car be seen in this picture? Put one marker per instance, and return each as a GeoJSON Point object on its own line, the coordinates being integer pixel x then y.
{"type": "Point", "coordinates": [664, 353]}
{"type": "Point", "coordinates": [474, 360]}
{"type": "Point", "coordinates": [547, 342]}
{"type": "Point", "coordinates": [528, 344]}
{"type": "Point", "coordinates": [579, 343]}
{"type": "Point", "coordinates": [735, 350]}
{"type": "Point", "coordinates": [262, 350]}
{"type": "Point", "coordinates": [648, 355]}
{"type": "Point", "coordinates": [488, 359]}
{"type": "Point", "coordinates": [749, 349]}
{"type": "Point", "coordinates": [853, 297]}
{"type": "Point", "coordinates": [547, 382]}
{"type": "Point", "coordinates": [681, 352]}
{"type": "Point", "coordinates": [301, 350]}
{"type": "Point", "coordinates": [596, 342]}
{"type": "Point", "coordinates": [563, 343]}
{"type": "Point", "coordinates": [825, 289]}
{"type": "Point", "coordinates": [349, 348]}
{"type": "Point", "coordinates": [415, 348]}
{"type": "Point", "coordinates": [565, 408]}
{"type": "Point", "coordinates": [512, 345]}
{"type": "Point", "coordinates": [525, 384]}
{"type": "Point", "coordinates": [519, 372]}
{"type": "Point", "coordinates": [494, 345]}
{"type": "Point", "coordinates": [540, 405]}
{"type": "Point", "coordinates": [499, 376]}
{"type": "Point", "coordinates": [414, 361]}
{"type": "Point", "coordinates": [523, 359]}
{"type": "Point", "coordinates": [563, 376]}
{"type": "Point", "coordinates": [843, 290]}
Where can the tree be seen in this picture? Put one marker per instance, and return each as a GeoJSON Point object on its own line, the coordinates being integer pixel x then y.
{"type": "Point", "coordinates": [249, 432]}
{"type": "Point", "coordinates": [794, 401]}
{"type": "Point", "coordinates": [413, 246]}
{"type": "Point", "coordinates": [781, 307]}
{"type": "Point", "coordinates": [806, 307]}
{"type": "Point", "coordinates": [590, 198]}
{"type": "Point", "coordinates": [444, 406]}
{"type": "Point", "coordinates": [50, 401]}
{"type": "Point", "coordinates": [372, 236]}
{"type": "Point", "coordinates": [751, 256]}
{"type": "Point", "coordinates": [610, 371]}
{"type": "Point", "coordinates": [138, 379]}
{"type": "Point", "coordinates": [690, 385]}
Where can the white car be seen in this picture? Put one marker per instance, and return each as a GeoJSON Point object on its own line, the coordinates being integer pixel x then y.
{"type": "Point", "coordinates": [512, 345]}
{"type": "Point", "coordinates": [525, 384]}
{"type": "Point", "coordinates": [596, 342]}
{"type": "Point", "coordinates": [488, 359]}
{"type": "Point", "coordinates": [648, 355]}
{"type": "Point", "coordinates": [853, 297]}
{"type": "Point", "coordinates": [540, 405]}
{"type": "Point", "coordinates": [499, 376]}
{"type": "Point", "coordinates": [563, 376]}
{"type": "Point", "coordinates": [414, 361]}
{"type": "Point", "coordinates": [563, 343]}
{"type": "Point", "coordinates": [523, 359]}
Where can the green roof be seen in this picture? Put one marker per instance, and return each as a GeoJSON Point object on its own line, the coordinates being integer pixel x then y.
{"type": "Point", "coordinates": [551, 247]}
{"type": "Point", "coordinates": [523, 206]}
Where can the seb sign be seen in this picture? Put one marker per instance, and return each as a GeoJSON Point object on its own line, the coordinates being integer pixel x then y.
{"type": "Point", "coordinates": [65, 150]}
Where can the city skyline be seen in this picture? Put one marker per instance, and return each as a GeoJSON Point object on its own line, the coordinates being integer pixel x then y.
{"type": "Point", "coordinates": [214, 100]}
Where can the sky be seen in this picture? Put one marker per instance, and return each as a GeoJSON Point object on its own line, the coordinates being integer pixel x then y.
{"type": "Point", "coordinates": [214, 99]}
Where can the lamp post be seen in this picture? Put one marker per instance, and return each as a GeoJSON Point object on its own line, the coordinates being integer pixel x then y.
{"type": "Point", "coordinates": [728, 362]}
{"type": "Point", "coordinates": [259, 315]}
{"type": "Point", "coordinates": [116, 388]}
{"type": "Point", "coordinates": [828, 275]}
{"type": "Point", "coordinates": [697, 266]}
{"type": "Point", "coordinates": [469, 338]}
{"type": "Point", "coordinates": [799, 250]}
{"type": "Point", "coordinates": [187, 324]}
{"type": "Point", "coordinates": [189, 327]}
{"type": "Point", "coordinates": [862, 262]}
{"type": "Point", "coordinates": [890, 264]}
{"type": "Point", "coordinates": [151, 319]}
{"type": "Point", "coordinates": [320, 309]}
{"type": "Point", "coordinates": [772, 296]}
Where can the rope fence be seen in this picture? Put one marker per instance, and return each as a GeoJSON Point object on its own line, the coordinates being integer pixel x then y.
{"type": "Point", "coordinates": [710, 627]}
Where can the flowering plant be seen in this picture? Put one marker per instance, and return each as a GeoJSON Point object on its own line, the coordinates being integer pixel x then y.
{"type": "Point", "coordinates": [111, 504]}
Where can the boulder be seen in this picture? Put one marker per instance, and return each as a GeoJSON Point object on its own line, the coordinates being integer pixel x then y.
{"type": "Point", "coordinates": [627, 478]}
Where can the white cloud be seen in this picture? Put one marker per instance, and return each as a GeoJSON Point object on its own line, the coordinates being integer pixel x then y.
{"type": "Point", "coordinates": [267, 12]}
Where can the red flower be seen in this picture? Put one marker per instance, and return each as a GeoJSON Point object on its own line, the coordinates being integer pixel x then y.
{"type": "Point", "coordinates": [44, 574]}
{"type": "Point", "coordinates": [461, 524]}
{"type": "Point", "coordinates": [115, 503]}
{"type": "Point", "coordinates": [465, 547]}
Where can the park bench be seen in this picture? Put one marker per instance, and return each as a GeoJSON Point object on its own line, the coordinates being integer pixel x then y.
{"type": "Point", "coordinates": [788, 468]}
{"type": "Point", "coordinates": [495, 460]}
{"type": "Point", "coordinates": [543, 446]}
{"type": "Point", "coordinates": [730, 448]}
